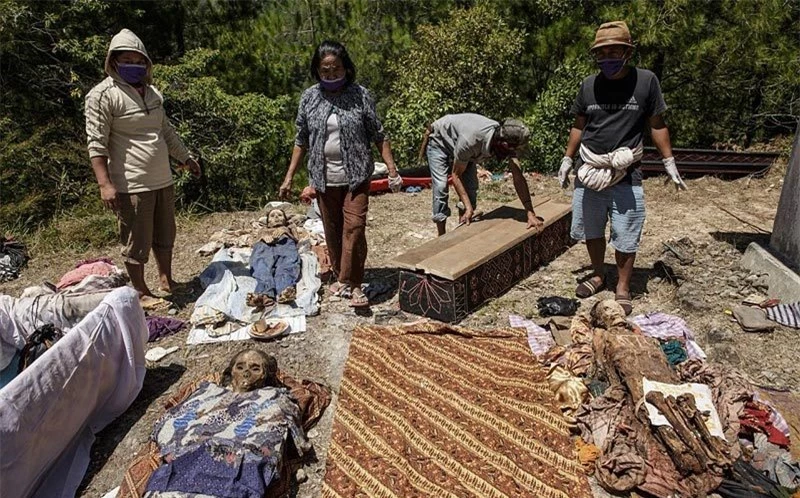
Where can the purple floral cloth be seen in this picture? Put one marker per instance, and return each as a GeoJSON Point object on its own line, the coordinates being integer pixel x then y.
{"type": "Point", "coordinates": [663, 326]}
{"type": "Point", "coordinates": [226, 444]}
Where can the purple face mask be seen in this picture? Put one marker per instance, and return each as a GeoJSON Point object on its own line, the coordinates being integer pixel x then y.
{"type": "Point", "coordinates": [333, 85]}
{"type": "Point", "coordinates": [610, 67]}
{"type": "Point", "coordinates": [132, 73]}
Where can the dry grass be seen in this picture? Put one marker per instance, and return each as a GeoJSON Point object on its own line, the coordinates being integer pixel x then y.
{"type": "Point", "coordinates": [400, 222]}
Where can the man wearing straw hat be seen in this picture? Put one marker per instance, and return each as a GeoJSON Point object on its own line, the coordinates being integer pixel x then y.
{"type": "Point", "coordinates": [612, 110]}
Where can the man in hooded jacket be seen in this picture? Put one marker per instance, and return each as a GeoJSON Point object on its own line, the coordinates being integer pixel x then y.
{"type": "Point", "coordinates": [130, 141]}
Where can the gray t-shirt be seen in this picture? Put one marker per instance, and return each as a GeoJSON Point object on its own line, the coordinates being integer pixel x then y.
{"type": "Point", "coordinates": [465, 137]}
{"type": "Point", "coordinates": [617, 110]}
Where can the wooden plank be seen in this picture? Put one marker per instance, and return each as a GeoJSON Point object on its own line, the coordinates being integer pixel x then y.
{"type": "Point", "coordinates": [410, 259]}
{"type": "Point", "coordinates": [469, 254]}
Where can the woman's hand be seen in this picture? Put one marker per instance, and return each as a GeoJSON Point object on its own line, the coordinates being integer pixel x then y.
{"type": "Point", "coordinates": [535, 221]}
{"type": "Point", "coordinates": [108, 194]}
{"type": "Point", "coordinates": [285, 190]}
{"type": "Point", "coordinates": [307, 195]}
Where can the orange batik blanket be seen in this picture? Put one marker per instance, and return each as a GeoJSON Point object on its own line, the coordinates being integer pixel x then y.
{"type": "Point", "coordinates": [434, 410]}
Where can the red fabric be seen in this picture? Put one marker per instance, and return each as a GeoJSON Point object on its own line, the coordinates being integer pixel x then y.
{"type": "Point", "coordinates": [75, 276]}
{"type": "Point", "coordinates": [755, 418]}
{"type": "Point", "coordinates": [382, 185]}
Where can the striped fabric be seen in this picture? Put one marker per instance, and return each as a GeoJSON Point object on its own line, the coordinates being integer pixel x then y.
{"type": "Point", "coordinates": [440, 411]}
{"type": "Point", "coordinates": [785, 314]}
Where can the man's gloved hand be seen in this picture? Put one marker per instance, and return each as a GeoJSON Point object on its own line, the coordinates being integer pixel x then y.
{"type": "Point", "coordinates": [672, 171]}
{"type": "Point", "coordinates": [563, 171]}
{"type": "Point", "coordinates": [395, 183]}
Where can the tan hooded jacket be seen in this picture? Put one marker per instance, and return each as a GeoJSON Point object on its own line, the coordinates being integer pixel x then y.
{"type": "Point", "coordinates": [132, 131]}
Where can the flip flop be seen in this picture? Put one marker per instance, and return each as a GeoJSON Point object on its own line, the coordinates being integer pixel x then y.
{"type": "Point", "coordinates": [338, 289]}
{"type": "Point", "coordinates": [625, 302]}
{"type": "Point", "coordinates": [151, 303]}
{"type": "Point", "coordinates": [589, 288]}
{"type": "Point", "coordinates": [358, 299]}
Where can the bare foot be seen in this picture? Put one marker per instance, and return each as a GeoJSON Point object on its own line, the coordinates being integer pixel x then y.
{"type": "Point", "coordinates": [173, 287]}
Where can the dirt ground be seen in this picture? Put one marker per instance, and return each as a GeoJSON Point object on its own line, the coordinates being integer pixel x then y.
{"type": "Point", "coordinates": [718, 217]}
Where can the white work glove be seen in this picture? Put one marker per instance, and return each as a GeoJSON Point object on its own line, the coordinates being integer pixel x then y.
{"type": "Point", "coordinates": [563, 171]}
{"type": "Point", "coordinates": [672, 171]}
{"type": "Point", "coordinates": [395, 183]}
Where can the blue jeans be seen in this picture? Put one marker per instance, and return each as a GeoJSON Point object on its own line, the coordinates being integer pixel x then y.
{"type": "Point", "coordinates": [441, 165]}
{"type": "Point", "coordinates": [275, 267]}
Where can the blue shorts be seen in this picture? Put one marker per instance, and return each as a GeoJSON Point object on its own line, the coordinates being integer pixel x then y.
{"type": "Point", "coordinates": [623, 204]}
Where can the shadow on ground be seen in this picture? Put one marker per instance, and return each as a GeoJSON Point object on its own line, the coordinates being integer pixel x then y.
{"type": "Point", "coordinates": [641, 276]}
{"type": "Point", "coordinates": [740, 240]}
{"type": "Point", "coordinates": [157, 381]}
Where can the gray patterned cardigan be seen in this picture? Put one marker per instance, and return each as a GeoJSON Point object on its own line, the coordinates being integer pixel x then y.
{"type": "Point", "coordinates": [359, 128]}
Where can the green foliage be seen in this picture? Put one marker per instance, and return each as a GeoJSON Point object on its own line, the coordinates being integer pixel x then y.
{"type": "Point", "coordinates": [549, 119]}
{"type": "Point", "coordinates": [245, 141]}
{"type": "Point", "coordinates": [232, 72]}
{"type": "Point", "coordinates": [464, 65]}
{"type": "Point", "coordinates": [273, 55]}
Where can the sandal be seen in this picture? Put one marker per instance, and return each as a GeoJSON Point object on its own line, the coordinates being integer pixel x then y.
{"type": "Point", "coordinates": [358, 299]}
{"type": "Point", "coordinates": [625, 302]}
{"type": "Point", "coordinates": [589, 288]}
{"type": "Point", "coordinates": [150, 303]}
{"type": "Point", "coordinates": [338, 289]}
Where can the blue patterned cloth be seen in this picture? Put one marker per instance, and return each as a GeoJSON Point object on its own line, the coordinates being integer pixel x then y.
{"type": "Point", "coordinates": [226, 444]}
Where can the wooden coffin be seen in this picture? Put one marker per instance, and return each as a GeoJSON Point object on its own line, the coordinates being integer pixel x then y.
{"type": "Point", "coordinates": [451, 276]}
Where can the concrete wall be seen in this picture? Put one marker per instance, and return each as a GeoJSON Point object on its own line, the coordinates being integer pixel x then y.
{"type": "Point", "coordinates": [786, 230]}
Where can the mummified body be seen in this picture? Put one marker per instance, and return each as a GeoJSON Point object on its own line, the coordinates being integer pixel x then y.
{"type": "Point", "coordinates": [275, 262]}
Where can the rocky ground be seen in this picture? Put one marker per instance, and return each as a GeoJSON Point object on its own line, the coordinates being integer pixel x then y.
{"type": "Point", "coordinates": [711, 224]}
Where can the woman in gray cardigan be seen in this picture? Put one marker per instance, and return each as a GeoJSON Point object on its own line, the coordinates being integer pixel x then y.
{"type": "Point", "coordinates": [336, 126]}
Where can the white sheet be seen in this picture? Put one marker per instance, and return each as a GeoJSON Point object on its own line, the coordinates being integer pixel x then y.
{"type": "Point", "coordinates": [702, 399]}
{"type": "Point", "coordinates": [227, 282]}
{"type": "Point", "coordinates": [309, 285]}
{"type": "Point", "coordinates": [295, 318]}
{"type": "Point", "coordinates": [50, 413]}
{"type": "Point", "coordinates": [20, 317]}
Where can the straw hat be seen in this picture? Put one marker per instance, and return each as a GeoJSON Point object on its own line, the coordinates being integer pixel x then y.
{"type": "Point", "coordinates": [612, 33]}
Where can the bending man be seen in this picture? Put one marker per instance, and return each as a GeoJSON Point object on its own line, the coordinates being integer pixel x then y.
{"type": "Point", "coordinates": [455, 144]}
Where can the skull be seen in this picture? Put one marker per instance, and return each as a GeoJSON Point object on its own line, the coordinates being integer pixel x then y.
{"type": "Point", "coordinates": [276, 218]}
{"type": "Point", "coordinates": [252, 369]}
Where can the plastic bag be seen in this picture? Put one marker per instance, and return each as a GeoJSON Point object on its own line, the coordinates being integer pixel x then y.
{"type": "Point", "coordinates": [557, 305]}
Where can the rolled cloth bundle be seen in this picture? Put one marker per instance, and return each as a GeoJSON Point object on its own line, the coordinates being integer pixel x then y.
{"type": "Point", "coordinates": [600, 171]}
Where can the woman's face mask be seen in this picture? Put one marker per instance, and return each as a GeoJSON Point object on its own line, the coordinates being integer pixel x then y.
{"type": "Point", "coordinates": [332, 73]}
{"type": "Point", "coordinates": [333, 85]}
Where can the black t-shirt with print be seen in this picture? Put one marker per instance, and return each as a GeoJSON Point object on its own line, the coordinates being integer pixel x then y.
{"type": "Point", "coordinates": [617, 110]}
